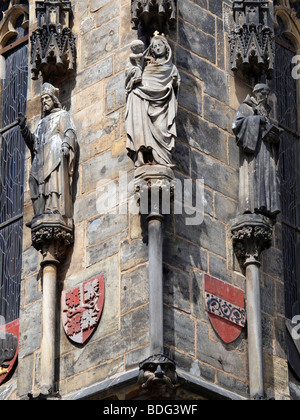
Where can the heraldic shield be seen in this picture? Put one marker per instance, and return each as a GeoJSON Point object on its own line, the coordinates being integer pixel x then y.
{"type": "Point", "coordinates": [9, 345]}
{"type": "Point", "coordinates": [225, 305]}
{"type": "Point", "coordinates": [82, 307]}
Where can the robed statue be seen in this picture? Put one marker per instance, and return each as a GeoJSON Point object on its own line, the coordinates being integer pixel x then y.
{"type": "Point", "coordinates": [152, 83]}
{"type": "Point", "coordinates": [258, 139]}
{"type": "Point", "coordinates": [53, 149]}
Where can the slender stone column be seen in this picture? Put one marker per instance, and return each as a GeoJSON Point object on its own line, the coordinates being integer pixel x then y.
{"type": "Point", "coordinates": [154, 185]}
{"type": "Point", "coordinates": [252, 233]}
{"type": "Point", "coordinates": [48, 325]}
{"type": "Point", "coordinates": [255, 346]}
{"type": "Point", "coordinates": [156, 283]}
{"type": "Point", "coordinates": [51, 235]}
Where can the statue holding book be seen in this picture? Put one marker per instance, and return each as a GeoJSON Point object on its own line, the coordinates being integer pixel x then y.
{"type": "Point", "coordinates": [258, 138]}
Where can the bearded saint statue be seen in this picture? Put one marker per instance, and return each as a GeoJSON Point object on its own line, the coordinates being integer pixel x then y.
{"type": "Point", "coordinates": [53, 149]}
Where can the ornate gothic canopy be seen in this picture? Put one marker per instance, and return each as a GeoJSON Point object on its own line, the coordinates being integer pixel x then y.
{"type": "Point", "coordinates": [53, 51]}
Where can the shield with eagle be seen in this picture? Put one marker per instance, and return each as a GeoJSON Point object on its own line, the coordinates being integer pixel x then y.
{"type": "Point", "coordinates": [225, 305]}
{"type": "Point", "coordinates": [82, 307]}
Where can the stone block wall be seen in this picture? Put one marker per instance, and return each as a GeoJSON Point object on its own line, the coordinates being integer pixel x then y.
{"type": "Point", "coordinates": [116, 244]}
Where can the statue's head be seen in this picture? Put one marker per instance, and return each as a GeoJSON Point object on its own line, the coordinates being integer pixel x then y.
{"type": "Point", "coordinates": [159, 47]}
{"type": "Point", "coordinates": [49, 98]}
{"type": "Point", "coordinates": [261, 93]}
{"type": "Point", "coordinates": [158, 375]}
{"type": "Point", "coordinates": [137, 46]}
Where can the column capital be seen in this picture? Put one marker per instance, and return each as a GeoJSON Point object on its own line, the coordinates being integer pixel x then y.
{"type": "Point", "coordinates": [154, 186]}
{"type": "Point", "coordinates": [251, 235]}
{"type": "Point", "coordinates": [51, 234]}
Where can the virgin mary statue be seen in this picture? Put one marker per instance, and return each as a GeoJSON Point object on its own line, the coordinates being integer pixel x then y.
{"type": "Point", "coordinates": [152, 105]}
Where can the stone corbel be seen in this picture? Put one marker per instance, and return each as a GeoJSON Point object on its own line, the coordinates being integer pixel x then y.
{"type": "Point", "coordinates": [51, 235]}
{"type": "Point", "coordinates": [251, 234]}
{"type": "Point", "coordinates": [53, 48]}
{"type": "Point", "coordinates": [158, 376]}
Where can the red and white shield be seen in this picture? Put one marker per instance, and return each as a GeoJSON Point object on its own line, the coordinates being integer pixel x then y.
{"type": "Point", "coordinates": [225, 305]}
{"type": "Point", "coordinates": [9, 346]}
{"type": "Point", "coordinates": [82, 307]}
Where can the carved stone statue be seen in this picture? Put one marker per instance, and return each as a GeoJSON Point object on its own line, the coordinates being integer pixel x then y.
{"type": "Point", "coordinates": [152, 83]}
{"type": "Point", "coordinates": [258, 139]}
{"type": "Point", "coordinates": [158, 376]}
{"type": "Point", "coordinates": [53, 149]}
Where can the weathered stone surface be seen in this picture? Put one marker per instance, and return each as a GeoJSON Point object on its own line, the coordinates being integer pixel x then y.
{"type": "Point", "coordinates": [30, 330]}
{"type": "Point", "coordinates": [202, 135]}
{"type": "Point", "coordinates": [215, 80]}
{"type": "Point", "coordinates": [104, 249]}
{"type": "Point", "coordinates": [99, 43]}
{"type": "Point", "coordinates": [203, 235]}
{"type": "Point", "coordinates": [133, 253]}
{"type": "Point", "coordinates": [183, 254]}
{"type": "Point", "coordinates": [134, 286]}
{"type": "Point", "coordinates": [216, 354]}
{"type": "Point", "coordinates": [179, 331]}
{"type": "Point", "coordinates": [198, 16]}
{"type": "Point", "coordinates": [225, 179]}
{"type": "Point", "coordinates": [202, 44]}
{"type": "Point", "coordinates": [177, 289]}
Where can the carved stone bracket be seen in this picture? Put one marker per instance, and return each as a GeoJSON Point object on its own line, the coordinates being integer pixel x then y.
{"type": "Point", "coordinates": [252, 40]}
{"type": "Point", "coordinates": [153, 15]}
{"type": "Point", "coordinates": [158, 376]}
{"type": "Point", "coordinates": [53, 52]}
{"type": "Point", "coordinates": [251, 234]}
{"type": "Point", "coordinates": [51, 235]}
{"type": "Point", "coordinates": [154, 185]}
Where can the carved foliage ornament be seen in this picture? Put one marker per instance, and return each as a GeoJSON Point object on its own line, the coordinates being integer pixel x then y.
{"type": "Point", "coordinates": [53, 52]}
{"type": "Point", "coordinates": [252, 40]}
{"type": "Point", "coordinates": [251, 235]}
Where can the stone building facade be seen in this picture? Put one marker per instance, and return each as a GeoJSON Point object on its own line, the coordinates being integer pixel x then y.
{"type": "Point", "coordinates": [112, 241]}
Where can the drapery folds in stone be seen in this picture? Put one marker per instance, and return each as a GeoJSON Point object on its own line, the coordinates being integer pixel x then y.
{"type": "Point", "coordinates": [152, 85]}
{"type": "Point", "coordinates": [258, 139]}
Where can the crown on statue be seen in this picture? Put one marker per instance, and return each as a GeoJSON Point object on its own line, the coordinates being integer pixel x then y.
{"type": "Point", "coordinates": [156, 34]}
